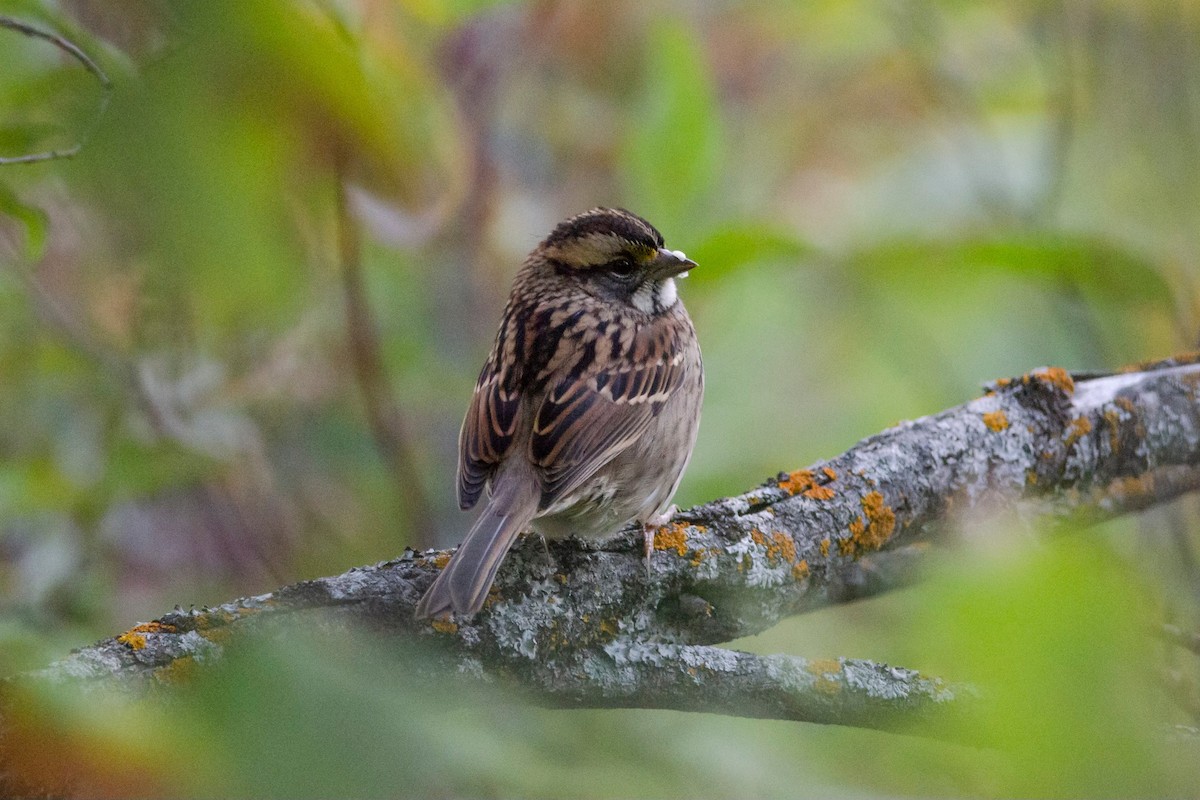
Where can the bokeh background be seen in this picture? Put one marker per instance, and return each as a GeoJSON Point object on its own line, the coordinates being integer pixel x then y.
{"type": "Point", "coordinates": [239, 328]}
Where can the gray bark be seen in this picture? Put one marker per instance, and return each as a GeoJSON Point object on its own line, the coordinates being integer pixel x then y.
{"type": "Point", "coordinates": [596, 626]}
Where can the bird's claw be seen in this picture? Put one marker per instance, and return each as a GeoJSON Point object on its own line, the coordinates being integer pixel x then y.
{"type": "Point", "coordinates": [648, 529]}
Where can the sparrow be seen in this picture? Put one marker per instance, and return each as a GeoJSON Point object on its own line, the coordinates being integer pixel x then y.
{"type": "Point", "coordinates": [586, 411]}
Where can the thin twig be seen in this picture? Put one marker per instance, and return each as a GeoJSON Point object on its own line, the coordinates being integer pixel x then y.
{"type": "Point", "coordinates": [91, 66]}
{"type": "Point", "coordinates": [382, 410]}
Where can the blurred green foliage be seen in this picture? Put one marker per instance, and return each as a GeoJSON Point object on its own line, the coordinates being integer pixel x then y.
{"type": "Point", "coordinates": [890, 202]}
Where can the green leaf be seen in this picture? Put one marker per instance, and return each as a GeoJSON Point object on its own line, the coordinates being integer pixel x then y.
{"type": "Point", "coordinates": [1052, 634]}
{"type": "Point", "coordinates": [736, 246]}
{"type": "Point", "coordinates": [33, 218]}
{"type": "Point", "coordinates": [673, 149]}
{"type": "Point", "coordinates": [1094, 265]}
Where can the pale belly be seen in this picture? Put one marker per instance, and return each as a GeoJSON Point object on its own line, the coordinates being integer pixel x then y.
{"type": "Point", "coordinates": [638, 484]}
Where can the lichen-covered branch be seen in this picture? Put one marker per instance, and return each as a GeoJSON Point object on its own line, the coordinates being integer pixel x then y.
{"type": "Point", "coordinates": [841, 691]}
{"type": "Point", "coordinates": [589, 625]}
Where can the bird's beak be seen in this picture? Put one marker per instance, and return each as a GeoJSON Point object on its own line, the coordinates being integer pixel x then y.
{"type": "Point", "coordinates": [669, 263]}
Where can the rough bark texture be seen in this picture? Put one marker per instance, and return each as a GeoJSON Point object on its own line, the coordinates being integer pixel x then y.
{"type": "Point", "coordinates": [596, 626]}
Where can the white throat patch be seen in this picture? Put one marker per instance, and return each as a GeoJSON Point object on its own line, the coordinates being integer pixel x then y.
{"type": "Point", "coordinates": [653, 296]}
{"type": "Point", "coordinates": [667, 294]}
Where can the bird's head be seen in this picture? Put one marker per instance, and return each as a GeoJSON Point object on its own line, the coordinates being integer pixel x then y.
{"type": "Point", "coordinates": [618, 255]}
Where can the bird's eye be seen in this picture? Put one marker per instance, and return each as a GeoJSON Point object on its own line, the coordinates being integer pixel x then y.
{"type": "Point", "coordinates": [622, 266]}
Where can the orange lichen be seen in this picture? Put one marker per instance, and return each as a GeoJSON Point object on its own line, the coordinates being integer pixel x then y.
{"type": "Point", "coordinates": [820, 493]}
{"type": "Point", "coordinates": [1057, 377]}
{"type": "Point", "coordinates": [824, 666]}
{"type": "Point", "coordinates": [1126, 404]}
{"type": "Point", "coordinates": [800, 569]}
{"type": "Point", "coordinates": [781, 548]}
{"type": "Point", "coordinates": [1112, 419]}
{"type": "Point", "coordinates": [824, 547]}
{"type": "Point", "coordinates": [996, 420]}
{"type": "Point", "coordinates": [882, 518]}
{"type": "Point", "coordinates": [1002, 382]}
{"type": "Point", "coordinates": [442, 625]}
{"type": "Point", "coordinates": [828, 672]}
{"type": "Point", "coordinates": [1080, 426]}
{"type": "Point", "coordinates": [1031, 477]}
{"type": "Point", "coordinates": [608, 627]}
{"type": "Point", "coordinates": [872, 532]}
{"type": "Point", "coordinates": [672, 537]}
{"type": "Point", "coordinates": [134, 641]}
{"type": "Point", "coordinates": [802, 481]}
{"type": "Point", "coordinates": [441, 560]}
{"type": "Point", "coordinates": [1131, 488]}
{"type": "Point", "coordinates": [797, 481]}
{"type": "Point", "coordinates": [135, 637]}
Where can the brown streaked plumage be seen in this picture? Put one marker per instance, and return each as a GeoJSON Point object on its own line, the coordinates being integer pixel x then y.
{"type": "Point", "coordinates": [586, 411]}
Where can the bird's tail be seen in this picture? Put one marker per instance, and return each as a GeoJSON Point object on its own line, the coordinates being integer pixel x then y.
{"type": "Point", "coordinates": [463, 585]}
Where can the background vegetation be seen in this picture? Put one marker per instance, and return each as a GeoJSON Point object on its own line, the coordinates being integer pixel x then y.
{"type": "Point", "coordinates": [891, 202]}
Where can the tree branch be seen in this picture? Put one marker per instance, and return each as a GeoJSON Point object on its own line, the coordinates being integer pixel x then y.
{"type": "Point", "coordinates": [589, 625]}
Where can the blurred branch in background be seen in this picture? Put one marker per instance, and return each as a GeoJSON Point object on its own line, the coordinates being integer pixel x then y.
{"type": "Point", "coordinates": [383, 413]}
{"type": "Point", "coordinates": [1188, 640]}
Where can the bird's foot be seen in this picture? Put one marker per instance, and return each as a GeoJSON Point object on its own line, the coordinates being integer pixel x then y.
{"type": "Point", "coordinates": [648, 529]}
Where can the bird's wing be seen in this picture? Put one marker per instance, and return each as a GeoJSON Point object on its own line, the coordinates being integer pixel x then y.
{"type": "Point", "coordinates": [594, 412]}
{"type": "Point", "coordinates": [487, 431]}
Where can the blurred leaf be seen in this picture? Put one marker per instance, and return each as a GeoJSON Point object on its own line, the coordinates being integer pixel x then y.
{"type": "Point", "coordinates": [138, 469]}
{"type": "Point", "coordinates": [1051, 636]}
{"type": "Point", "coordinates": [673, 150]}
{"type": "Point", "coordinates": [334, 713]}
{"type": "Point", "coordinates": [285, 64]}
{"type": "Point", "coordinates": [1092, 264]}
{"type": "Point", "coordinates": [733, 247]}
{"type": "Point", "coordinates": [32, 218]}
{"type": "Point", "coordinates": [220, 161]}
{"type": "Point", "coordinates": [83, 741]}
{"type": "Point", "coordinates": [41, 12]}
{"type": "Point", "coordinates": [19, 140]}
